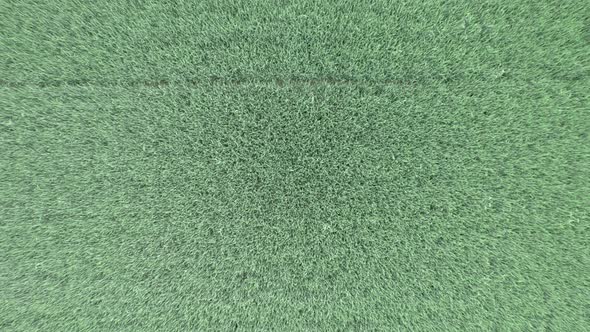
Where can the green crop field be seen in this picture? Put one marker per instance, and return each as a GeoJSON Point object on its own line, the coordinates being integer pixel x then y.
{"type": "Point", "coordinates": [295, 165]}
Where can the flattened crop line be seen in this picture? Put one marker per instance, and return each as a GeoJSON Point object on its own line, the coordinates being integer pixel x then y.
{"type": "Point", "coordinates": [207, 81]}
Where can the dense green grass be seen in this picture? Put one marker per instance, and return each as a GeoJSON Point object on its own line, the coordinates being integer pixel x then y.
{"type": "Point", "coordinates": [294, 165]}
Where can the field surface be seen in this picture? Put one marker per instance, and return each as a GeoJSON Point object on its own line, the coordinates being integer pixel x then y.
{"type": "Point", "coordinates": [295, 165]}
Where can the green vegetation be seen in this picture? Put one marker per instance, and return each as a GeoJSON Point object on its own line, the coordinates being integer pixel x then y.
{"type": "Point", "coordinates": [294, 165]}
